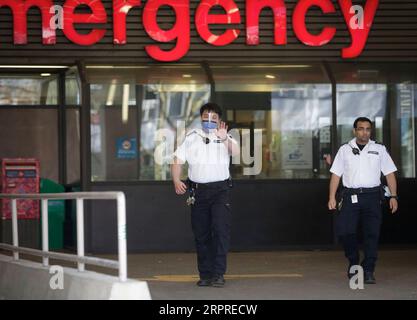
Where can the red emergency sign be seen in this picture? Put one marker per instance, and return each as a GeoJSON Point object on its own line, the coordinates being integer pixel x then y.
{"type": "Point", "coordinates": [180, 31]}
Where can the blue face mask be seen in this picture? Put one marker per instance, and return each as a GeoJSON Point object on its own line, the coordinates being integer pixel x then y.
{"type": "Point", "coordinates": [208, 125]}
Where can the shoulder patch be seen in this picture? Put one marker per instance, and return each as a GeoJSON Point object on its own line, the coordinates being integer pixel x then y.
{"type": "Point", "coordinates": [191, 132]}
{"type": "Point", "coordinates": [344, 145]}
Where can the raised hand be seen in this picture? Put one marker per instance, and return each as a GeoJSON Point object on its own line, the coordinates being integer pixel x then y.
{"type": "Point", "coordinates": [221, 132]}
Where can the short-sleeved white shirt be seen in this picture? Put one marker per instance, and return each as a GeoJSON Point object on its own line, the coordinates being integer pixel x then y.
{"type": "Point", "coordinates": [206, 162]}
{"type": "Point", "coordinates": [363, 170]}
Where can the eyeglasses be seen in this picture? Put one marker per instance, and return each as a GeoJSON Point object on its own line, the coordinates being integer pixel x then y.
{"type": "Point", "coordinates": [363, 129]}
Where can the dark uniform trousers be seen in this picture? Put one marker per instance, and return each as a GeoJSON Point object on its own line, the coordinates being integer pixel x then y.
{"type": "Point", "coordinates": [368, 211]}
{"type": "Point", "coordinates": [211, 224]}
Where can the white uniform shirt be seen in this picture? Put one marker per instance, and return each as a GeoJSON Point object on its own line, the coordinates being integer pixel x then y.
{"type": "Point", "coordinates": [206, 162]}
{"type": "Point", "coordinates": [363, 170]}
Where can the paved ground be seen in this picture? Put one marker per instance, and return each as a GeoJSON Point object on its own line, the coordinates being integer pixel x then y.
{"type": "Point", "coordinates": [274, 275]}
{"type": "Point", "coordinates": [277, 275]}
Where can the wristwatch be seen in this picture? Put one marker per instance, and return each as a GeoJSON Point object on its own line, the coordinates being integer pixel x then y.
{"type": "Point", "coordinates": [394, 197]}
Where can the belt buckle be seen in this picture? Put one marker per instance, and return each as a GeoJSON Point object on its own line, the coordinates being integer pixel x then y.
{"type": "Point", "coordinates": [360, 190]}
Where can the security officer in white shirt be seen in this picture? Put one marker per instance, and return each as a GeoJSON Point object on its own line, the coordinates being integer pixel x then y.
{"type": "Point", "coordinates": [361, 162]}
{"type": "Point", "coordinates": [207, 153]}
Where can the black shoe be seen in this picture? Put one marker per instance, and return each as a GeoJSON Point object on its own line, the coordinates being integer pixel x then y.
{"type": "Point", "coordinates": [204, 283]}
{"type": "Point", "coordinates": [218, 281]}
{"type": "Point", "coordinates": [369, 278]}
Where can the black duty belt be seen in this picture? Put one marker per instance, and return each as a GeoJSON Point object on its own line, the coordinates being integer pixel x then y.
{"type": "Point", "coordinates": [216, 184]}
{"type": "Point", "coordinates": [362, 190]}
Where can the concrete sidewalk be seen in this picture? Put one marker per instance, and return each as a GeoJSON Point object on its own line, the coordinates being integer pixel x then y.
{"type": "Point", "coordinates": [277, 275]}
{"type": "Point", "coordinates": [271, 275]}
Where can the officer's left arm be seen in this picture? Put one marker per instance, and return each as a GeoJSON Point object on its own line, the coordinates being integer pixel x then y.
{"type": "Point", "coordinates": [388, 168]}
{"type": "Point", "coordinates": [392, 185]}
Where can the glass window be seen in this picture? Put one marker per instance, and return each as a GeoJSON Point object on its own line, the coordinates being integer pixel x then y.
{"type": "Point", "coordinates": [39, 89]}
{"type": "Point", "coordinates": [114, 132]}
{"type": "Point", "coordinates": [73, 145]}
{"type": "Point", "coordinates": [361, 100]}
{"type": "Point", "coordinates": [139, 113]}
{"type": "Point", "coordinates": [404, 129]}
{"type": "Point", "coordinates": [292, 120]}
{"type": "Point", "coordinates": [385, 93]}
{"type": "Point", "coordinates": [362, 73]}
{"type": "Point", "coordinates": [134, 111]}
{"type": "Point", "coordinates": [72, 88]}
{"type": "Point", "coordinates": [31, 133]}
{"type": "Point", "coordinates": [168, 110]}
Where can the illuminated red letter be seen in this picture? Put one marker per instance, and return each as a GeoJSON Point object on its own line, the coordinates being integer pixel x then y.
{"type": "Point", "coordinates": [254, 8]}
{"type": "Point", "coordinates": [204, 19]}
{"type": "Point", "coordinates": [359, 36]}
{"type": "Point", "coordinates": [299, 23]}
{"type": "Point", "coordinates": [180, 31]}
{"type": "Point", "coordinates": [98, 15]}
{"type": "Point", "coordinates": [120, 10]}
{"type": "Point", "coordinates": [19, 10]}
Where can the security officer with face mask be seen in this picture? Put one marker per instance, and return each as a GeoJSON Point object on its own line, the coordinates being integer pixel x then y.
{"type": "Point", "coordinates": [361, 162]}
{"type": "Point", "coordinates": [207, 152]}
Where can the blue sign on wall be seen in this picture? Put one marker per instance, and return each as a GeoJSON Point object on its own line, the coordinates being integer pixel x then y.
{"type": "Point", "coordinates": [126, 148]}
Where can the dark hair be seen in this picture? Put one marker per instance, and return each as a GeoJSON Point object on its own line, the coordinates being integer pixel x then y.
{"type": "Point", "coordinates": [211, 107]}
{"type": "Point", "coordinates": [361, 119]}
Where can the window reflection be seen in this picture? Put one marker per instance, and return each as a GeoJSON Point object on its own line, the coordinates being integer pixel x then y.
{"type": "Point", "coordinates": [73, 146]}
{"type": "Point", "coordinates": [165, 108]}
{"type": "Point", "coordinates": [29, 90]}
{"type": "Point", "coordinates": [114, 126]}
{"type": "Point", "coordinates": [72, 88]}
{"type": "Point", "coordinates": [361, 100]}
{"type": "Point", "coordinates": [290, 105]}
{"type": "Point", "coordinates": [31, 133]}
{"type": "Point", "coordinates": [295, 124]}
{"type": "Point", "coordinates": [171, 108]}
{"type": "Point", "coordinates": [405, 127]}
{"type": "Point", "coordinates": [301, 123]}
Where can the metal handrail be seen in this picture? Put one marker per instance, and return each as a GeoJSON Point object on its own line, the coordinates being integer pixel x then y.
{"type": "Point", "coordinates": [81, 260]}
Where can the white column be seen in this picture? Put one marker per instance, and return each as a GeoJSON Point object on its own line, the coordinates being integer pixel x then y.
{"type": "Point", "coordinates": [45, 233]}
{"type": "Point", "coordinates": [80, 232]}
{"type": "Point", "coordinates": [121, 228]}
{"type": "Point", "coordinates": [15, 229]}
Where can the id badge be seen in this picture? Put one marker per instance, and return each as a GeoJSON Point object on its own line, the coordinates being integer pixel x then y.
{"type": "Point", "coordinates": [354, 198]}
